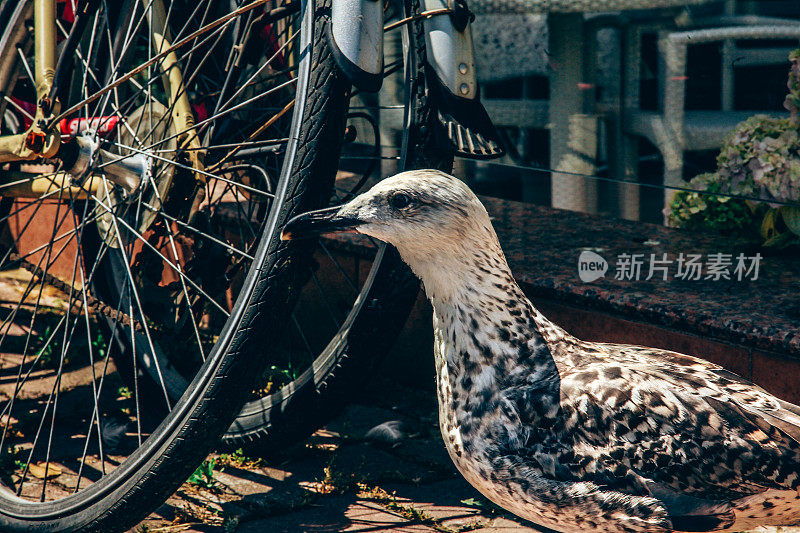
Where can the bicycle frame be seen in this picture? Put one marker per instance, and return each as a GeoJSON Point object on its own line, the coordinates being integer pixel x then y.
{"type": "Point", "coordinates": [38, 141]}
{"type": "Point", "coordinates": [43, 138]}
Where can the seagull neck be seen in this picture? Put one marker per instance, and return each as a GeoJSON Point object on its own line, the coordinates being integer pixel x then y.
{"type": "Point", "coordinates": [460, 269]}
{"type": "Point", "coordinates": [488, 337]}
{"type": "Point", "coordinates": [468, 281]}
{"type": "Point", "coordinates": [475, 288]}
{"type": "Point", "coordinates": [482, 314]}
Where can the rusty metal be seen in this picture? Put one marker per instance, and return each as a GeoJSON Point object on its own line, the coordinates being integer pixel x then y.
{"type": "Point", "coordinates": [34, 141]}
{"type": "Point", "coordinates": [94, 304]}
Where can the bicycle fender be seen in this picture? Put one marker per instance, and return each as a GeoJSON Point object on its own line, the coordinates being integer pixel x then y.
{"type": "Point", "coordinates": [449, 48]}
{"type": "Point", "coordinates": [454, 87]}
{"type": "Point", "coordinates": [356, 39]}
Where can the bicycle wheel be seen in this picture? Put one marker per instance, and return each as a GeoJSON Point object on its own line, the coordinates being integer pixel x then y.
{"type": "Point", "coordinates": [349, 315]}
{"type": "Point", "coordinates": [234, 115]}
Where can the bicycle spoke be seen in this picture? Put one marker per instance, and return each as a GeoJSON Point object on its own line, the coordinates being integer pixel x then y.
{"type": "Point", "coordinates": [307, 345]}
{"type": "Point", "coordinates": [95, 388]}
{"type": "Point", "coordinates": [56, 389]}
{"type": "Point", "coordinates": [327, 303]}
{"type": "Point", "coordinates": [18, 107]}
{"type": "Point", "coordinates": [169, 263]}
{"type": "Point", "coordinates": [25, 64]}
{"type": "Point", "coordinates": [181, 277]}
{"type": "Point", "coordinates": [132, 286]}
{"type": "Point", "coordinates": [186, 167]}
{"type": "Point", "coordinates": [212, 147]}
{"type": "Point", "coordinates": [50, 396]}
{"type": "Point", "coordinates": [226, 112]}
{"type": "Point", "coordinates": [336, 264]}
{"type": "Point", "coordinates": [21, 382]}
{"type": "Point", "coordinates": [196, 231]}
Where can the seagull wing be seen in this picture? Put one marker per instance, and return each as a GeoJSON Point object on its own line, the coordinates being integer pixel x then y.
{"type": "Point", "coordinates": [683, 424]}
{"type": "Point", "coordinates": [781, 415]}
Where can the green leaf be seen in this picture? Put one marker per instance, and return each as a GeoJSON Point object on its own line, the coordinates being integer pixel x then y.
{"type": "Point", "coordinates": [791, 216]}
{"type": "Point", "coordinates": [768, 229]}
{"type": "Point", "coordinates": [203, 476]}
{"type": "Point", "coordinates": [473, 502]}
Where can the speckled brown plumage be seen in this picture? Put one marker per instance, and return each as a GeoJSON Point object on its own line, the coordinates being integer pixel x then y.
{"type": "Point", "coordinates": [575, 435]}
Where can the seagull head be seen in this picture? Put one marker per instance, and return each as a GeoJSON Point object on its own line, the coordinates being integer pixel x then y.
{"type": "Point", "coordinates": [420, 212]}
{"type": "Point", "coordinates": [433, 219]}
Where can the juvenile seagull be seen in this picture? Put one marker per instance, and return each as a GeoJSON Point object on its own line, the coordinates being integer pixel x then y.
{"type": "Point", "coordinates": [573, 435]}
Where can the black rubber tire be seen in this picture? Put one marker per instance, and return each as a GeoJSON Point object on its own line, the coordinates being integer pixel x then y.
{"type": "Point", "coordinates": [426, 147]}
{"type": "Point", "coordinates": [150, 474]}
{"type": "Point", "coordinates": [293, 413]}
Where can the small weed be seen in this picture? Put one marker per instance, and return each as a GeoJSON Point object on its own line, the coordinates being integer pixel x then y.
{"type": "Point", "coordinates": [183, 515]}
{"type": "Point", "coordinates": [389, 501]}
{"type": "Point", "coordinates": [204, 475]}
{"type": "Point", "coordinates": [48, 346]}
{"type": "Point", "coordinates": [100, 345]}
{"type": "Point", "coordinates": [274, 378]}
{"type": "Point", "coordinates": [9, 461]}
{"type": "Point", "coordinates": [125, 392]}
{"type": "Point", "coordinates": [411, 513]}
{"type": "Point", "coordinates": [484, 505]}
{"type": "Point", "coordinates": [334, 482]}
{"type": "Point", "coordinates": [281, 375]}
{"type": "Point", "coordinates": [44, 350]}
{"type": "Point", "coordinates": [239, 460]}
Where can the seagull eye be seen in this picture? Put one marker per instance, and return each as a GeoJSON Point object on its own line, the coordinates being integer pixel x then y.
{"type": "Point", "coordinates": [399, 200]}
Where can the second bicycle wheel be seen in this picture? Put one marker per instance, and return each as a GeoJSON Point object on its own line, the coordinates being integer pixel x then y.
{"type": "Point", "coordinates": [141, 273]}
{"type": "Point", "coordinates": [358, 296]}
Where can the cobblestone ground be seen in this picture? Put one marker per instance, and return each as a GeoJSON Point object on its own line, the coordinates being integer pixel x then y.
{"type": "Point", "coordinates": [340, 480]}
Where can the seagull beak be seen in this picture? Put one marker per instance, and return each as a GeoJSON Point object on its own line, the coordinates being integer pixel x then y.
{"type": "Point", "coordinates": [320, 222]}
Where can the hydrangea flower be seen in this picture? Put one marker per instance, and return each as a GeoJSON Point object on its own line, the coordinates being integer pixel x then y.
{"type": "Point", "coordinates": [760, 159]}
